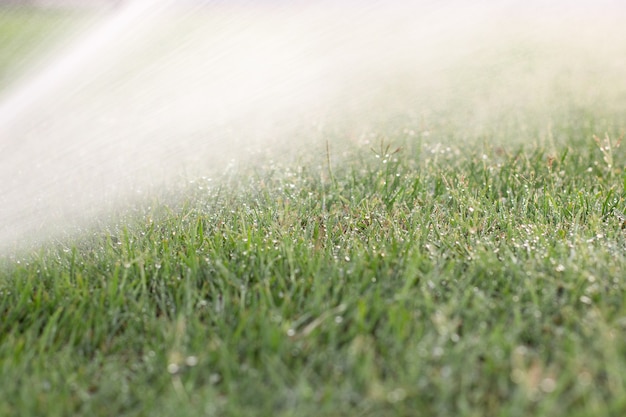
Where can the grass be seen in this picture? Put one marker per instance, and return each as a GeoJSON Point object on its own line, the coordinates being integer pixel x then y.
{"type": "Point", "coordinates": [26, 32]}
{"type": "Point", "coordinates": [480, 284]}
{"type": "Point", "coordinates": [413, 277]}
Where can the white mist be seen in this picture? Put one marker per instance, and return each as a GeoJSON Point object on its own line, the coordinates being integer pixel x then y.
{"type": "Point", "coordinates": [157, 90]}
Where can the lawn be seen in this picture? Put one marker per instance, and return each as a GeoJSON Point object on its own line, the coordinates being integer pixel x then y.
{"type": "Point", "coordinates": [26, 32]}
{"type": "Point", "coordinates": [430, 267]}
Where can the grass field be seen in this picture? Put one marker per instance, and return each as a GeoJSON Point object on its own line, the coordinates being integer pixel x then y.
{"type": "Point", "coordinates": [448, 271]}
{"type": "Point", "coordinates": [26, 32]}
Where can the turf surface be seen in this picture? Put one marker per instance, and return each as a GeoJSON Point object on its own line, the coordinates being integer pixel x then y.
{"type": "Point", "coordinates": [418, 276]}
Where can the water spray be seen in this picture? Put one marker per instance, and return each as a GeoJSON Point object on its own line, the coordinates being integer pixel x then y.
{"type": "Point", "coordinates": [161, 89]}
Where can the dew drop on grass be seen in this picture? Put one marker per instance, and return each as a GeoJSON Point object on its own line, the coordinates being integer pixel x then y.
{"type": "Point", "coordinates": [397, 395]}
{"type": "Point", "coordinates": [548, 385]}
{"type": "Point", "coordinates": [191, 361]}
{"type": "Point", "coordinates": [173, 368]}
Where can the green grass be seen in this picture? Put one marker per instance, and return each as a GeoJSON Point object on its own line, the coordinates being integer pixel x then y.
{"type": "Point", "coordinates": [26, 35]}
{"type": "Point", "coordinates": [481, 284]}
{"type": "Point", "coordinates": [416, 278]}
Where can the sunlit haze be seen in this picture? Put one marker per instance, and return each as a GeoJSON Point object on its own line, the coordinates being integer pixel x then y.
{"type": "Point", "coordinates": [150, 94]}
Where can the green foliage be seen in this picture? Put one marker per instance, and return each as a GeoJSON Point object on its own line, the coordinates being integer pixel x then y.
{"type": "Point", "coordinates": [26, 36]}
{"type": "Point", "coordinates": [447, 271]}
{"type": "Point", "coordinates": [486, 283]}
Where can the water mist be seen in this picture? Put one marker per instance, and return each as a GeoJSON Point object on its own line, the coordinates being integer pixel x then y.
{"type": "Point", "coordinates": [155, 91]}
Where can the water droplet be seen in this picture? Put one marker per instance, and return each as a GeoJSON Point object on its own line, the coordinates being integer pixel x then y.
{"type": "Point", "coordinates": [547, 385]}
{"type": "Point", "coordinates": [173, 368]}
{"type": "Point", "coordinates": [396, 395]}
{"type": "Point", "coordinates": [438, 352]}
